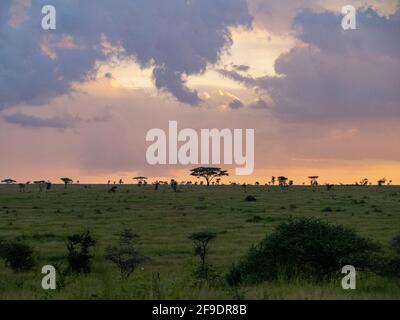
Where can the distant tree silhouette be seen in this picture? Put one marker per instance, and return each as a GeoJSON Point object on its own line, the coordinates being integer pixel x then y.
{"type": "Point", "coordinates": [381, 182]}
{"type": "Point", "coordinates": [141, 180]}
{"type": "Point", "coordinates": [174, 185]}
{"type": "Point", "coordinates": [329, 187]}
{"type": "Point", "coordinates": [40, 183]}
{"type": "Point", "coordinates": [208, 173]}
{"type": "Point", "coordinates": [364, 182]}
{"type": "Point", "coordinates": [313, 180]}
{"type": "Point", "coordinates": [66, 181]}
{"type": "Point", "coordinates": [273, 179]}
{"type": "Point", "coordinates": [282, 181]}
{"type": "Point", "coordinates": [8, 181]}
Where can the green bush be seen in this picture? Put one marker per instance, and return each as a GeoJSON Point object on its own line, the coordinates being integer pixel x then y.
{"type": "Point", "coordinates": [395, 244]}
{"type": "Point", "coordinates": [391, 267]}
{"type": "Point", "coordinates": [304, 247]}
{"type": "Point", "coordinates": [18, 256]}
{"type": "Point", "coordinates": [79, 256]}
{"type": "Point", "coordinates": [250, 198]}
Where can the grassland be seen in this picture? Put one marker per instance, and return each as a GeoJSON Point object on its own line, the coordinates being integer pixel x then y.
{"type": "Point", "coordinates": [163, 219]}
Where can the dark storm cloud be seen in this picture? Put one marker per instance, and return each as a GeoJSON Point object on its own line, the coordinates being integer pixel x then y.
{"type": "Point", "coordinates": [241, 67]}
{"type": "Point", "coordinates": [259, 104]}
{"type": "Point", "coordinates": [236, 104]}
{"type": "Point", "coordinates": [178, 37]}
{"type": "Point", "coordinates": [341, 74]}
{"type": "Point", "coordinates": [239, 77]}
{"type": "Point", "coordinates": [338, 74]}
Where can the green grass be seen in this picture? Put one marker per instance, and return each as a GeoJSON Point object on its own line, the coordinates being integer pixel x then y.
{"type": "Point", "coordinates": [163, 219]}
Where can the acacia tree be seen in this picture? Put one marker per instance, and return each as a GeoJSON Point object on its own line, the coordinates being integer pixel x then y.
{"type": "Point", "coordinates": [282, 181]}
{"type": "Point", "coordinates": [141, 180]}
{"type": "Point", "coordinates": [381, 182]}
{"type": "Point", "coordinates": [8, 181]}
{"type": "Point", "coordinates": [313, 180]}
{"type": "Point", "coordinates": [125, 256]}
{"type": "Point", "coordinates": [200, 243]}
{"type": "Point", "coordinates": [66, 181]}
{"type": "Point", "coordinates": [208, 173]}
{"type": "Point", "coordinates": [40, 183]}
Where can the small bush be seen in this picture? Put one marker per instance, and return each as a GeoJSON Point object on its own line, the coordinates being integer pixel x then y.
{"type": "Point", "coordinates": [79, 256]}
{"type": "Point", "coordinates": [17, 256]}
{"type": "Point", "coordinates": [254, 219]}
{"type": "Point", "coordinates": [390, 267]}
{"type": "Point", "coordinates": [306, 247]}
{"type": "Point", "coordinates": [395, 244]}
{"type": "Point", "coordinates": [250, 198]}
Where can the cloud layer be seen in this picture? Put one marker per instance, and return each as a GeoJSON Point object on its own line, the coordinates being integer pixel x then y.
{"type": "Point", "coordinates": [335, 74]}
{"type": "Point", "coordinates": [178, 38]}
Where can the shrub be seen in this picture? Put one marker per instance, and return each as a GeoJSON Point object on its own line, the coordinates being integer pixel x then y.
{"type": "Point", "coordinates": [125, 256]}
{"type": "Point", "coordinates": [395, 244]}
{"type": "Point", "coordinates": [79, 256]}
{"type": "Point", "coordinates": [306, 247]}
{"type": "Point", "coordinates": [390, 267]}
{"type": "Point", "coordinates": [250, 198]}
{"type": "Point", "coordinates": [254, 219]}
{"type": "Point", "coordinates": [17, 256]}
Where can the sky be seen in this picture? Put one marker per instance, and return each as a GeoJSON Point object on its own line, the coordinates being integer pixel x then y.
{"type": "Point", "coordinates": [78, 101]}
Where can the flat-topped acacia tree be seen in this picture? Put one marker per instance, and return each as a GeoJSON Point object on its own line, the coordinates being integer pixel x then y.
{"type": "Point", "coordinates": [208, 173]}
{"type": "Point", "coordinates": [141, 180]}
{"type": "Point", "coordinates": [313, 180]}
{"type": "Point", "coordinates": [282, 181]}
{"type": "Point", "coordinates": [8, 181]}
{"type": "Point", "coordinates": [66, 181]}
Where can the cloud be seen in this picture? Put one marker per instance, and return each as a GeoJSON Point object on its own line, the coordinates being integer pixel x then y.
{"type": "Point", "coordinates": [259, 104]}
{"type": "Point", "coordinates": [236, 104]}
{"type": "Point", "coordinates": [24, 120]}
{"type": "Point", "coordinates": [108, 75]}
{"type": "Point", "coordinates": [179, 38]}
{"type": "Point", "coordinates": [335, 74]}
{"type": "Point", "coordinates": [278, 16]}
{"type": "Point", "coordinates": [241, 67]}
{"type": "Point", "coordinates": [59, 121]}
{"type": "Point", "coordinates": [340, 74]}
{"type": "Point", "coordinates": [246, 79]}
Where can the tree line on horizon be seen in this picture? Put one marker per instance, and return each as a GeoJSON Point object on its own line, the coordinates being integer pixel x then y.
{"type": "Point", "coordinates": [211, 176]}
